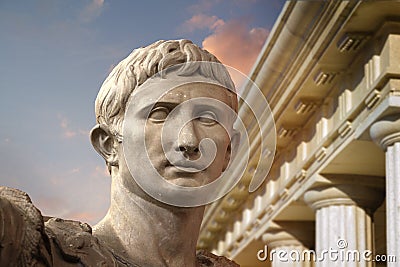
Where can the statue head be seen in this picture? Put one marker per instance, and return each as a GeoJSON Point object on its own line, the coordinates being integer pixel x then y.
{"type": "Point", "coordinates": [159, 78]}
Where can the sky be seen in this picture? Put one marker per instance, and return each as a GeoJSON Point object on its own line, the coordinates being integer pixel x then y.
{"type": "Point", "coordinates": [54, 56]}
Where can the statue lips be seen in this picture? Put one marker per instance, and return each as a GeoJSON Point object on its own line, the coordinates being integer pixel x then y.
{"type": "Point", "coordinates": [185, 173]}
{"type": "Point", "coordinates": [187, 166]}
{"type": "Point", "coordinates": [182, 171]}
{"type": "Point", "coordinates": [190, 166]}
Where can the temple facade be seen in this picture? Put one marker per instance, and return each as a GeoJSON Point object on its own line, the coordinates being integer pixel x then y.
{"type": "Point", "coordinates": [330, 71]}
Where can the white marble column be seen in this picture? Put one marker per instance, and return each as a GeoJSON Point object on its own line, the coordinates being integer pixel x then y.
{"type": "Point", "coordinates": [386, 133]}
{"type": "Point", "coordinates": [344, 211]}
{"type": "Point", "coordinates": [286, 242]}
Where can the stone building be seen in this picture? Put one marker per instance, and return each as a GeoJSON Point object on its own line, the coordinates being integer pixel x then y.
{"type": "Point", "coordinates": [330, 71]}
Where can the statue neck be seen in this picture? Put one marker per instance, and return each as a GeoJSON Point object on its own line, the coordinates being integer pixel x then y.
{"type": "Point", "coordinates": [148, 232]}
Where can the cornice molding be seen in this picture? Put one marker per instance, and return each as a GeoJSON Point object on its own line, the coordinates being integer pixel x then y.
{"type": "Point", "coordinates": [334, 190]}
{"type": "Point", "coordinates": [386, 131]}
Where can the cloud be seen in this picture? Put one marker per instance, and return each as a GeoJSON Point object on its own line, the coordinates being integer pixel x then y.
{"type": "Point", "coordinates": [234, 42]}
{"type": "Point", "coordinates": [92, 11]}
{"type": "Point", "coordinates": [80, 192]}
{"type": "Point", "coordinates": [51, 205]}
{"type": "Point", "coordinates": [101, 171]}
{"type": "Point", "coordinates": [200, 22]}
{"type": "Point", "coordinates": [236, 45]}
{"type": "Point", "coordinates": [202, 5]}
{"type": "Point", "coordinates": [57, 207]}
{"type": "Point", "coordinates": [64, 124]}
{"type": "Point", "coordinates": [84, 216]}
{"type": "Point", "coordinates": [75, 170]}
{"type": "Point", "coordinates": [67, 131]}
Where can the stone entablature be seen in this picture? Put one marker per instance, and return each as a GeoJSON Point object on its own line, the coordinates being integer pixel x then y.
{"type": "Point", "coordinates": [362, 85]}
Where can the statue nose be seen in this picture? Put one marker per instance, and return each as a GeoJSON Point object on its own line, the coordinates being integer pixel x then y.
{"type": "Point", "coordinates": [188, 142]}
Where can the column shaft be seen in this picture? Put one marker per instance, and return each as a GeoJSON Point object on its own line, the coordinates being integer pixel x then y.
{"type": "Point", "coordinates": [386, 133]}
{"type": "Point", "coordinates": [393, 201]}
{"type": "Point", "coordinates": [344, 206]}
{"type": "Point", "coordinates": [343, 228]}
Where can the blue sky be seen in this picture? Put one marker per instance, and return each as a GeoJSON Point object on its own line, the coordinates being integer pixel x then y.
{"type": "Point", "coordinates": [54, 57]}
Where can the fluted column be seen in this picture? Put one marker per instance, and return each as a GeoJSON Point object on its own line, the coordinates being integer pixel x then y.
{"type": "Point", "coordinates": [344, 209]}
{"type": "Point", "coordinates": [286, 242]}
{"type": "Point", "coordinates": [386, 133]}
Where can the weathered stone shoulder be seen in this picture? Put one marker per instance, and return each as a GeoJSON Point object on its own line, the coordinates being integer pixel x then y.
{"type": "Point", "coordinates": [75, 243]}
{"type": "Point", "coordinates": [22, 230]}
{"type": "Point", "coordinates": [207, 259]}
{"type": "Point", "coordinates": [29, 239]}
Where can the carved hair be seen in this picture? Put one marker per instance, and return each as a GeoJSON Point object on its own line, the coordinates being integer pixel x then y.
{"type": "Point", "coordinates": [143, 63]}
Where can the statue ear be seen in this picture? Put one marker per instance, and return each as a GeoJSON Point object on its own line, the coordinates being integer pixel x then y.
{"type": "Point", "coordinates": [103, 142]}
{"type": "Point", "coordinates": [232, 149]}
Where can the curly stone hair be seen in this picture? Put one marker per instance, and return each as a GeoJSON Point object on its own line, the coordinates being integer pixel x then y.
{"type": "Point", "coordinates": [145, 62]}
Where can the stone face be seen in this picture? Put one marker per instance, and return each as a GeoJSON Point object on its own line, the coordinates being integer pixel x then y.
{"type": "Point", "coordinates": [139, 228]}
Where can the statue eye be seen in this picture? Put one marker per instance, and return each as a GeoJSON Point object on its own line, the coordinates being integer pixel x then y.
{"type": "Point", "coordinates": [159, 114]}
{"type": "Point", "coordinates": [207, 118]}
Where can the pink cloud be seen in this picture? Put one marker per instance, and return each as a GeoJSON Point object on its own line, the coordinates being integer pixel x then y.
{"type": "Point", "coordinates": [64, 124]}
{"type": "Point", "coordinates": [101, 171]}
{"type": "Point", "coordinates": [67, 131]}
{"type": "Point", "coordinates": [236, 45]}
{"type": "Point", "coordinates": [92, 10]}
{"type": "Point", "coordinates": [75, 170]}
{"type": "Point", "coordinates": [49, 205]}
{"type": "Point", "coordinates": [69, 134]}
{"type": "Point", "coordinates": [84, 132]}
{"type": "Point", "coordinates": [201, 21]}
{"type": "Point", "coordinates": [74, 192]}
{"type": "Point", "coordinates": [83, 216]}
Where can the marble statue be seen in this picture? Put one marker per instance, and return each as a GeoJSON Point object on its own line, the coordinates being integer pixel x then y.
{"type": "Point", "coordinates": [139, 229]}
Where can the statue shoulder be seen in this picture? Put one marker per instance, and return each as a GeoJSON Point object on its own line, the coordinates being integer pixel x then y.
{"type": "Point", "coordinates": [73, 241]}
{"type": "Point", "coordinates": [29, 239]}
{"type": "Point", "coordinates": [22, 228]}
{"type": "Point", "coordinates": [206, 259]}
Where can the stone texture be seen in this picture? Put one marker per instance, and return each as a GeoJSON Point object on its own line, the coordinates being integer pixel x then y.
{"type": "Point", "coordinates": [344, 218]}
{"type": "Point", "coordinates": [386, 133]}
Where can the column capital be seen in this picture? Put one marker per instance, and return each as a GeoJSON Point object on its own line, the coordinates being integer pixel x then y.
{"type": "Point", "coordinates": [290, 233]}
{"type": "Point", "coordinates": [386, 131]}
{"type": "Point", "coordinates": [365, 192]}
